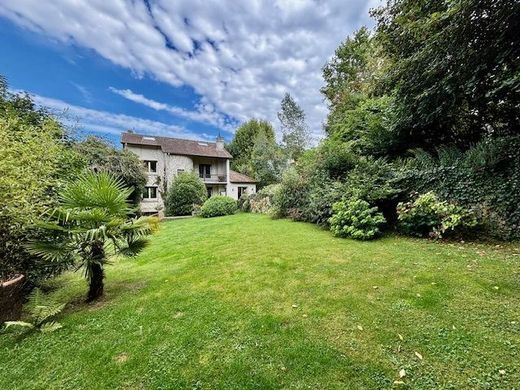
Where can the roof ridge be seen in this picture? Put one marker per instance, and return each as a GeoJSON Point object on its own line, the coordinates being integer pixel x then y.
{"type": "Point", "coordinates": [178, 146]}
{"type": "Point", "coordinates": [164, 137]}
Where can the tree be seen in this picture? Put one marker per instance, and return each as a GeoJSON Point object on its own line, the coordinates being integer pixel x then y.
{"type": "Point", "coordinates": [455, 69]}
{"type": "Point", "coordinates": [353, 71]}
{"type": "Point", "coordinates": [36, 159]}
{"type": "Point", "coordinates": [92, 220]}
{"type": "Point", "coordinates": [243, 142]}
{"type": "Point", "coordinates": [187, 190]}
{"type": "Point", "coordinates": [99, 155]}
{"type": "Point", "coordinates": [295, 133]}
{"type": "Point", "coordinates": [268, 162]}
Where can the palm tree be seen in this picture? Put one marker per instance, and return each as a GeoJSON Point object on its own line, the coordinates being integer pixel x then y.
{"type": "Point", "coordinates": [92, 222]}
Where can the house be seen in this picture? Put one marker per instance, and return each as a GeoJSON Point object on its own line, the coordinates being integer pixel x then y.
{"type": "Point", "coordinates": [165, 157]}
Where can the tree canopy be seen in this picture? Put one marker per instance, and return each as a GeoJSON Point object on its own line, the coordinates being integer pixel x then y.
{"type": "Point", "coordinates": [242, 144]}
{"type": "Point", "coordinates": [295, 132]}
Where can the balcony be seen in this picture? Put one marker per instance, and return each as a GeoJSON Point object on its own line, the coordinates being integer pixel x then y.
{"type": "Point", "coordinates": [213, 178]}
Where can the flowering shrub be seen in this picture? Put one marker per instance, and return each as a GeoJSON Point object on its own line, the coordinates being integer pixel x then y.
{"type": "Point", "coordinates": [355, 218]}
{"type": "Point", "coordinates": [428, 216]}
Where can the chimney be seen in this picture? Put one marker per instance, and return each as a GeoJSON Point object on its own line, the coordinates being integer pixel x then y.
{"type": "Point", "coordinates": [220, 142]}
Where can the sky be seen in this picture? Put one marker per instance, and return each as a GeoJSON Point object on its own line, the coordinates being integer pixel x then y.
{"type": "Point", "coordinates": [183, 68]}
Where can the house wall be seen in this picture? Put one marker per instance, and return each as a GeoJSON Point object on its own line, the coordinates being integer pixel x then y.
{"type": "Point", "coordinates": [175, 162]}
{"type": "Point", "coordinates": [167, 168]}
{"type": "Point", "coordinates": [233, 189]}
{"type": "Point", "coordinates": [154, 179]}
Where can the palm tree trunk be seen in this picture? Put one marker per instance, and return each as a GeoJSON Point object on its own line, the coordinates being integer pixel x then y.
{"type": "Point", "coordinates": [97, 274]}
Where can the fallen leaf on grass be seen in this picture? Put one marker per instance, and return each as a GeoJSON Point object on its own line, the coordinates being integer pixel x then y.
{"type": "Point", "coordinates": [400, 336]}
{"type": "Point", "coordinates": [121, 358]}
{"type": "Point", "coordinates": [398, 383]}
{"type": "Point", "coordinates": [402, 373]}
{"type": "Point", "coordinates": [418, 355]}
{"type": "Point", "coordinates": [360, 327]}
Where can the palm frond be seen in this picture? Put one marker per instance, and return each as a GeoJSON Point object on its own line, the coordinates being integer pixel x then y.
{"type": "Point", "coordinates": [141, 226]}
{"type": "Point", "coordinates": [133, 247]}
{"type": "Point", "coordinates": [51, 251]}
{"type": "Point", "coordinates": [97, 191]}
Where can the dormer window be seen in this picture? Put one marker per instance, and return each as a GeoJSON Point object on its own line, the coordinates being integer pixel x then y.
{"type": "Point", "coordinates": [150, 166]}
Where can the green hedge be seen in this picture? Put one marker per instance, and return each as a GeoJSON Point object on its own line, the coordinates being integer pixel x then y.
{"type": "Point", "coordinates": [217, 206]}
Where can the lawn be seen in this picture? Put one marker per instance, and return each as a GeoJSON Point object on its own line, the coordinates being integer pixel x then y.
{"type": "Point", "coordinates": [249, 302]}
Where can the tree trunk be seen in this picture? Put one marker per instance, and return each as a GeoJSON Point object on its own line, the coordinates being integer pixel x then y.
{"type": "Point", "coordinates": [97, 273]}
{"type": "Point", "coordinates": [96, 282]}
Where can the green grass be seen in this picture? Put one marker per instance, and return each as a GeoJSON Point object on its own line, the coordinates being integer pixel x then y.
{"type": "Point", "coordinates": [248, 302]}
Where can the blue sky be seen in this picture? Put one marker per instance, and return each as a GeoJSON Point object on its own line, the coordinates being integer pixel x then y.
{"type": "Point", "coordinates": [189, 69]}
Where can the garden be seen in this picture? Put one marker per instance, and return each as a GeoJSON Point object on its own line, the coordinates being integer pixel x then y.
{"type": "Point", "coordinates": [290, 306]}
{"type": "Point", "coordinates": [383, 255]}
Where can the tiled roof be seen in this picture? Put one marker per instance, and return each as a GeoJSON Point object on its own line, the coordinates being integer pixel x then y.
{"type": "Point", "coordinates": [177, 145]}
{"type": "Point", "coordinates": [235, 177]}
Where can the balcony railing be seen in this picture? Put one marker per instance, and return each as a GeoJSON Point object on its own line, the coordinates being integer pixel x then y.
{"type": "Point", "coordinates": [213, 178]}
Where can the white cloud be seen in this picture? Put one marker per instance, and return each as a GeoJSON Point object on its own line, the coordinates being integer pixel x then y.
{"type": "Point", "coordinates": [205, 111]}
{"type": "Point", "coordinates": [241, 57]}
{"type": "Point", "coordinates": [110, 123]}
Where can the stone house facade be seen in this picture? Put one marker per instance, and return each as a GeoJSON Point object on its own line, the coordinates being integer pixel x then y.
{"type": "Point", "coordinates": [165, 157]}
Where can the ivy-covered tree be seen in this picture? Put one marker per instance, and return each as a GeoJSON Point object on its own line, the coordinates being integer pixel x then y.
{"type": "Point", "coordinates": [454, 69]}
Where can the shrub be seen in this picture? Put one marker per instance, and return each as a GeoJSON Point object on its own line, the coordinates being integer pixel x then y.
{"type": "Point", "coordinates": [323, 193]}
{"type": "Point", "coordinates": [186, 191]}
{"type": "Point", "coordinates": [484, 178]}
{"type": "Point", "coordinates": [428, 216]}
{"type": "Point", "coordinates": [355, 218]}
{"type": "Point", "coordinates": [35, 162]}
{"type": "Point", "coordinates": [218, 205]}
{"type": "Point", "coordinates": [244, 203]}
{"type": "Point", "coordinates": [262, 201]}
{"type": "Point", "coordinates": [290, 198]}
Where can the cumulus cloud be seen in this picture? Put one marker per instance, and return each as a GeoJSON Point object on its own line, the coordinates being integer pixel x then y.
{"type": "Point", "coordinates": [241, 57]}
{"type": "Point", "coordinates": [205, 112]}
{"type": "Point", "coordinates": [110, 123]}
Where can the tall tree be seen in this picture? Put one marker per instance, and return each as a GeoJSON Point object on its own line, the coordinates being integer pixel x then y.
{"type": "Point", "coordinates": [35, 161]}
{"type": "Point", "coordinates": [455, 69]}
{"type": "Point", "coordinates": [268, 161]}
{"type": "Point", "coordinates": [244, 140]}
{"type": "Point", "coordinates": [295, 132]}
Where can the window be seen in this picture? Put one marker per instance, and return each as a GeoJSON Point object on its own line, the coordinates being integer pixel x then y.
{"type": "Point", "coordinates": [205, 171]}
{"type": "Point", "coordinates": [150, 193]}
{"type": "Point", "coordinates": [151, 166]}
{"type": "Point", "coordinates": [241, 191]}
